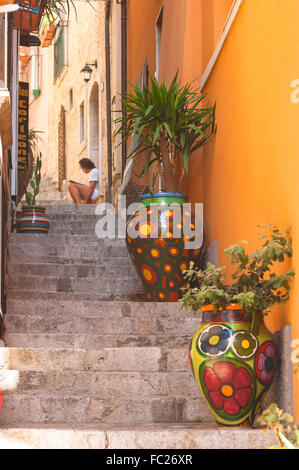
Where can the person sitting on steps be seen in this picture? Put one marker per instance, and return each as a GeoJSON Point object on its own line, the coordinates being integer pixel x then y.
{"type": "Point", "coordinates": [81, 193]}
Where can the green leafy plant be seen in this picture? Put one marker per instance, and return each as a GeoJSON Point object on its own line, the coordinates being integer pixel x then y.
{"type": "Point", "coordinates": [34, 183]}
{"type": "Point", "coordinates": [169, 124]}
{"type": "Point", "coordinates": [286, 434]}
{"type": "Point", "coordinates": [33, 150]}
{"type": "Point", "coordinates": [58, 8]}
{"type": "Point", "coordinates": [255, 287]}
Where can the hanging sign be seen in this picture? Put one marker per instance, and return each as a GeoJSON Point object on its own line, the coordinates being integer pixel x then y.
{"type": "Point", "coordinates": [23, 117]}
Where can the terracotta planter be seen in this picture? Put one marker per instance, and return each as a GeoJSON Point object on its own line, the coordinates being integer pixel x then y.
{"type": "Point", "coordinates": [47, 34]}
{"type": "Point", "coordinates": [26, 20]}
{"type": "Point", "coordinates": [33, 220]}
{"type": "Point", "coordinates": [158, 255]}
{"type": "Point", "coordinates": [232, 367]}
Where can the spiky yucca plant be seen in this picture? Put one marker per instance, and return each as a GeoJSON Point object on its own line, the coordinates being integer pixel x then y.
{"type": "Point", "coordinates": [168, 123]}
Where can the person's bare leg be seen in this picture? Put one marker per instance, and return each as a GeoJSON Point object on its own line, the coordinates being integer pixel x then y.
{"type": "Point", "coordinates": [74, 193]}
{"type": "Point", "coordinates": [78, 192]}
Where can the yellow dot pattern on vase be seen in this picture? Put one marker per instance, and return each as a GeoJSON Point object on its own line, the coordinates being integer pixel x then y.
{"type": "Point", "coordinates": [168, 213]}
{"type": "Point", "coordinates": [145, 230]}
{"type": "Point", "coordinates": [168, 268]}
{"type": "Point", "coordinates": [147, 274]}
{"type": "Point", "coordinates": [214, 340]}
{"type": "Point", "coordinates": [173, 251]}
{"type": "Point", "coordinates": [245, 344]}
{"type": "Point", "coordinates": [139, 250]}
{"type": "Point", "coordinates": [155, 253]}
{"type": "Point", "coordinates": [227, 390]}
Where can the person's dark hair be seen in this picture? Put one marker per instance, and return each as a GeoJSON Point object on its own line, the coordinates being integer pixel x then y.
{"type": "Point", "coordinates": [86, 164]}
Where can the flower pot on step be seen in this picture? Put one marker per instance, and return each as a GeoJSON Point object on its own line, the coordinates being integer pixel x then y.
{"type": "Point", "coordinates": [158, 254]}
{"type": "Point", "coordinates": [33, 220]}
{"type": "Point", "coordinates": [232, 367]}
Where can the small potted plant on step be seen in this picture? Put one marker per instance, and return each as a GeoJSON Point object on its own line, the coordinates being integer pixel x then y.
{"type": "Point", "coordinates": [233, 355]}
{"type": "Point", "coordinates": [33, 218]}
{"type": "Point", "coordinates": [169, 124]}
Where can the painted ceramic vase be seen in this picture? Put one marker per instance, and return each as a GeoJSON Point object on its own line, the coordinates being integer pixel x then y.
{"type": "Point", "coordinates": [156, 241]}
{"type": "Point", "coordinates": [232, 367]}
{"type": "Point", "coordinates": [33, 220]}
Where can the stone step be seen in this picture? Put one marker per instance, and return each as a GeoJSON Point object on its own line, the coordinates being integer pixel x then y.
{"type": "Point", "coordinates": [34, 258]}
{"type": "Point", "coordinates": [96, 341]}
{"type": "Point", "coordinates": [60, 208]}
{"type": "Point", "coordinates": [98, 325]}
{"type": "Point", "coordinates": [21, 239]}
{"type": "Point", "coordinates": [73, 229]}
{"type": "Point", "coordinates": [97, 251]}
{"type": "Point", "coordinates": [18, 294]}
{"type": "Point", "coordinates": [120, 410]}
{"type": "Point", "coordinates": [105, 360]}
{"type": "Point", "coordinates": [98, 384]}
{"type": "Point", "coordinates": [75, 285]}
{"type": "Point", "coordinates": [103, 272]}
{"type": "Point", "coordinates": [159, 436]}
{"type": "Point", "coordinates": [61, 306]}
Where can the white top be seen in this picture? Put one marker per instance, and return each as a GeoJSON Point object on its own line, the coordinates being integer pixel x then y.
{"type": "Point", "coordinates": [94, 176]}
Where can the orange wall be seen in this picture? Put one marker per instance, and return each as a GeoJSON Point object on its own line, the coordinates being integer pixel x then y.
{"type": "Point", "coordinates": [252, 168]}
{"type": "Point", "coordinates": [141, 36]}
{"type": "Point", "coordinates": [181, 47]}
{"type": "Point", "coordinates": [248, 175]}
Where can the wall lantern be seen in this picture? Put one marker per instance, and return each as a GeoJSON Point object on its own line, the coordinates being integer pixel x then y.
{"type": "Point", "coordinates": [87, 71]}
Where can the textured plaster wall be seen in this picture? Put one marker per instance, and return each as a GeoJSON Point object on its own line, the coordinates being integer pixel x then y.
{"type": "Point", "coordinates": [85, 43]}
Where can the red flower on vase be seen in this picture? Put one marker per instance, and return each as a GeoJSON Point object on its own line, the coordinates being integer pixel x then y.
{"type": "Point", "coordinates": [230, 388]}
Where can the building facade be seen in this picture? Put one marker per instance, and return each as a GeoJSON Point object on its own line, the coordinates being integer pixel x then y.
{"type": "Point", "coordinates": [69, 111]}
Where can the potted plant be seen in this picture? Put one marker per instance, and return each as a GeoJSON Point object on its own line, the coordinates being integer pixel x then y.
{"type": "Point", "coordinates": [233, 355]}
{"type": "Point", "coordinates": [281, 423]}
{"type": "Point", "coordinates": [29, 17]}
{"type": "Point", "coordinates": [169, 124]}
{"type": "Point", "coordinates": [33, 218]}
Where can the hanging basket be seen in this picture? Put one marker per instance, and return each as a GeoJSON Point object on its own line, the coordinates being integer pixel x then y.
{"type": "Point", "coordinates": [29, 17]}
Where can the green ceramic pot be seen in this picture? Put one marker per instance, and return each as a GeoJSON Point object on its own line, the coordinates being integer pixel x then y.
{"type": "Point", "coordinates": [157, 252]}
{"type": "Point", "coordinates": [232, 367]}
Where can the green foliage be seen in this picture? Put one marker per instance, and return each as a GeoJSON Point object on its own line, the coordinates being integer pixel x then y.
{"type": "Point", "coordinates": [254, 286]}
{"type": "Point", "coordinates": [34, 182]}
{"type": "Point", "coordinates": [58, 8]}
{"type": "Point", "coordinates": [173, 113]}
{"type": "Point", "coordinates": [275, 419]}
{"type": "Point", "coordinates": [33, 139]}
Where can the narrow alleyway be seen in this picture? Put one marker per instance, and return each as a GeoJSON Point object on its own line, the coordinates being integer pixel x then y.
{"type": "Point", "coordinates": [89, 364]}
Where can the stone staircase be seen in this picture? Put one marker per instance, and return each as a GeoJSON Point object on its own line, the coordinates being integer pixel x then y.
{"type": "Point", "coordinates": [88, 363]}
